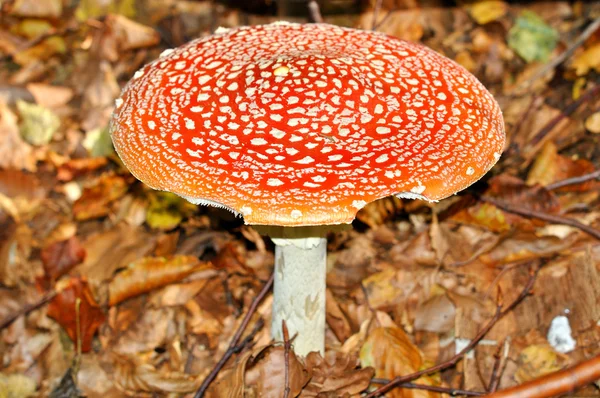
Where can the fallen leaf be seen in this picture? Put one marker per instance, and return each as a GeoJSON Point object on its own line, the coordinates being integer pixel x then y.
{"type": "Point", "coordinates": [67, 388]}
{"type": "Point", "coordinates": [50, 96]}
{"type": "Point", "coordinates": [336, 319]}
{"type": "Point", "coordinates": [536, 361]}
{"type": "Point", "coordinates": [41, 52]}
{"type": "Point", "coordinates": [59, 258]}
{"type": "Point", "coordinates": [73, 306]}
{"type": "Point", "coordinates": [150, 273]}
{"type": "Point", "coordinates": [513, 191]}
{"type": "Point", "coordinates": [15, 153]}
{"type": "Point", "coordinates": [16, 386]}
{"type": "Point", "coordinates": [76, 167]}
{"type": "Point", "coordinates": [38, 124]}
{"type": "Point", "coordinates": [98, 143]}
{"type": "Point", "coordinates": [31, 28]}
{"type": "Point", "coordinates": [592, 123]}
{"type": "Point", "coordinates": [435, 315]}
{"type": "Point", "coordinates": [94, 8]}
{"type": "Point", "coordinates": [37, 8]}
{"type": "Point", "coordinates": [532, 38]}
{"type": "Point", "coordinates": [383, 289]}
{"type": "Point", "coordinates": [131, 35]}
{"type": "Point", "coordinates": [391, 353]}
{"type": "Point", "coordinates": [587, 60]}
{"type": "Point", "coordinates": [336, 375]}
{"type": "Point", "coordinates": [550, 166]}
{"type": "Point", "coordinates": [95, 201]}
{"type": "Point", "coordinates": [167, 210]}
{"type": "Point", "coordinates": [487, 11]}
{"type": "Point", "coordinates": [135, 376]}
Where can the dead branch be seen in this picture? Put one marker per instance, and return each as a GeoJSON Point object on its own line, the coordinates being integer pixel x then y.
{"type": "Point", "coordinates": [556, 383]}
{"type": "Point", "coordinates": [27, 308]}
{"type": "Point", "coordinates": [286, 356]}
{"type": "Point", "coordinates": [500, 313]}
{"type": "Point", "coordinates": [498, 368]}
{"type": "Point", "coordinates": [574, 180]}
{"type": "Point", "coordinates": [542, 216]}
{"type": "Point", "coordinates": [233, 345]}
{"type": "Point", "coordinates": [444, 390]}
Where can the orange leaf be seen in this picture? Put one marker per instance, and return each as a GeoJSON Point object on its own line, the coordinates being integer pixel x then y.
{"type": "Point", "coordinates": [65, 310]}
{"type": "Point", "coordinates": [151, 272]}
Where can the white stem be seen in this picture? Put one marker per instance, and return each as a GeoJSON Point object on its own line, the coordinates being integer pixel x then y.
{"type": "Point", "coordinates": [299, 292]}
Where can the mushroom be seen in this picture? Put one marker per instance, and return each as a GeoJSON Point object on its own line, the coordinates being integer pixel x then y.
{"type": "Point", "coordinates": [300, 126]}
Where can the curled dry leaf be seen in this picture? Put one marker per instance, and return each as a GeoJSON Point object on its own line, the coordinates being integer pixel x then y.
{"type": "Point", "coordinates": [336, 375]}
{"type": "Point", "coordinates": [535, 361]}
{"type": "Point", "coordinates": [135, 377]}
{"type": "Point", "coordinates": [15, 153]}
{"type": "Point", "coordinates": [151, 272]}
{"type": "Point", "coordinates": [336, 319]}
{"type": "Point", "coordinates": [76, 167]}
{"type": "Point", "coordinates": [391, 353]}
{"type": "Point", "coordinates": [74, 305]}
{"type": "Point", "coordinates": [95, 201]}
{"type": "Point", "coordinates": [513, 191]}
{"type": "Point", "coordinates": [59, 258]}
{"type": "Point", "coordinates": [129, 34]}
{"type": "Point", "coordinates": [261, 373]}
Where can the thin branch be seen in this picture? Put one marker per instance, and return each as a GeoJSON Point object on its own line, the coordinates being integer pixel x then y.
{"type": "Point", "coordinates": [548, 127]}
{"type": "Point", "coordinates": [556, 383]}
{"type": "Point", "coordinates": [314, 11]}
{"type": "Point", "coordinates": [27, 308]}
{"type": "Point", "coordinates": [286, 355]}
{"type": "Point", "coordinates": [496, 370]}
{"type": "Point", "coordinates": [564, 55]}
{"type": "Point", "coordinates": [574, 180]}
{"type": "Point", "coordinates": [456, 358]}
{"type": "Point", "coordinates": [425, 387]}
{"type": "Point", "coordinates": [233, 345]}
{"type": "Point", "coordinates": [543, 216]}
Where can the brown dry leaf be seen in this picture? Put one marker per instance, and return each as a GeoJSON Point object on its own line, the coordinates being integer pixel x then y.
{"type": "Point", "coordinates": [15, 153]}
{"type": "Point", "coordinates": [587, 60]}
{"type": "Point", "coordinates": [485, 215]}
{"type": "Point", "coordinates": [536, 361]}
{"type": "Point", "coordinates": [131, 35]}
{"type": "Point", "coordinates": [383, 289]}
{"type": "Point", "coordinates": [136, 377]}
{"type": "Point", "coordinates": [50, 96]}
{"type": "Point", "coordinates": [391, 353]}
{"type": "Point", "coordinates": [150, 273]}
{"type": "Point", "coordinates": [74, 305]}
{"type": "Point", "coordinates": [550, 166]}
{"type": "Point", "coordinates": [76, 167]}
{"type": "Point", "coordinates": [59, 258]}
{"type": "Point", "coordinates": [336, 319]}
{"type": "Point", "coordinates": [15, 183]}
{"type": "Point", "coordinates": [513, 191]}
{"type": "Point", "coordinates": [338, 375]}
{"type": "Point", "coordinates": [96, 200]}
{"type": "Point", "coordinates": [435, 315]}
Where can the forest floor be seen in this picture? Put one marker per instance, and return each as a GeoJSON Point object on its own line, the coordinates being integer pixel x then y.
{"type": "Point", "coordinates": [110, 289]}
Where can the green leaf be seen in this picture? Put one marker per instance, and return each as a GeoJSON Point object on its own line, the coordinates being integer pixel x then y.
{"type": "Point", "coordinates": [38, 124]}
{"type": "Point", "coordinates": [532, 38]}
{"type": "Point", "coordinates": [98, 142]}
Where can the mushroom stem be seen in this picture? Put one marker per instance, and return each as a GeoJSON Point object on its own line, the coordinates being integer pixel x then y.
{"type": "Point", "coordinates": [299, 292]}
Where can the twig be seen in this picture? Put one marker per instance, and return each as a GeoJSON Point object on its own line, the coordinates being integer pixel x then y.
{"type": "Point", "coordinates": [564, 55]}
{"type": "Point", "coordinates": [456, 358]}
{"type": "Point", "coordinates": [574, 180]}
{"type": "Point", "coordinates": [556, 383]}
{"type": "Point", "coordinates": [234, 341]}
{"type": "Point", "coordinates": [27, 308]}
{"type": "Point", "coordinates": [548, 127]}
{"type": "Point", "coordinates": [496, 373]}
{"type": "Point", "coordinates": [444, 390]}
{"type": "Point", "coordinates": [543, 216]}
{"type": "Point", "coordinates": [314, 11]}
{"type": "Point", "coordinates": [376, 10]}
{"type": "Point", "coordinates": [286, 356]}
{"type": "Point", "coordinates": [385, 19]}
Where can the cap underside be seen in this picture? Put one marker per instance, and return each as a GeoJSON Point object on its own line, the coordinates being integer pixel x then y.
{"type": "Point", "coordinates": [291, 124]}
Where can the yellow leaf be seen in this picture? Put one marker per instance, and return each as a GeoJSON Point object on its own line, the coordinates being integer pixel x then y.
{"type": "Point", "coordinates": [487, 11]}
{"type": "Point", "coordinates": [535, 361]}
{"type": "Point", "coordinates": [587, 60]}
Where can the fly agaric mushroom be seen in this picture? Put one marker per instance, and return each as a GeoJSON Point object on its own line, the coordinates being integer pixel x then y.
{"type": "Point", "coordinates": [300, 126]}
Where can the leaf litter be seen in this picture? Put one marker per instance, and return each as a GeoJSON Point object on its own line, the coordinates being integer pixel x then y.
{"type": "Point", "coordinates": [152, 289]}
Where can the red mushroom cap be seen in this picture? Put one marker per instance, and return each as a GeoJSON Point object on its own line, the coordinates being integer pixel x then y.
{"type": "Point", "coordinates": [293, 124]}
